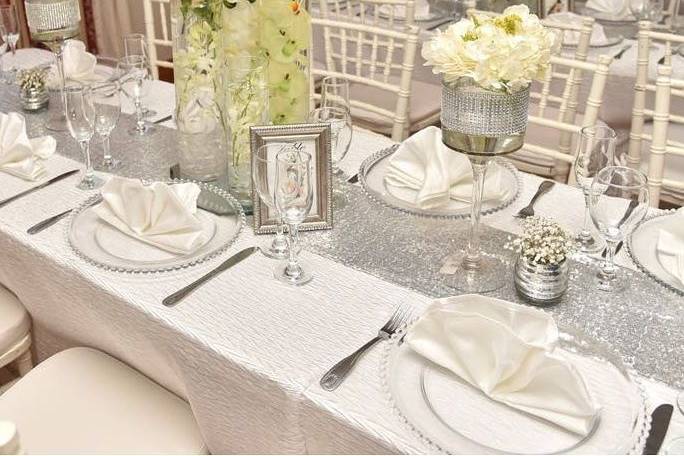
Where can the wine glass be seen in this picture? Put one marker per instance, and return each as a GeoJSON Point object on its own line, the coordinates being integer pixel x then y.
{"type": "Point", "coordinates": [340, 130]}
{"type": "Point", "coordinates": [10, 23]}
{"type": "Point", "coordinates": [647, 10]}
{"type": "Point", "coordinates": [263, 176]}
{"type": "Point", "coordinates": [595, 151]}
{"type": "Point", "coordinates": [3, 50]}
{"type": "Point", "coordinates": [335, 93]}
{"type": "Point", "coordinates": [106, 100]}
{"type": "Point", "coordinates": [293, 199]}
{"type": "Point", "coordinates": [618, 200]}
{"type": "Point", "coordinates": [80, 118]}
{"type": "Point", "coordinates": [133, 71]}
{"type": "Point", "coordinates": [52, 22]}
{"type": "Point", "coordinates": [136, 44]}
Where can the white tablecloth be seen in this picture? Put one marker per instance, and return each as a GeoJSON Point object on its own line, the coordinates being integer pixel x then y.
{"type": "Point", "coordinates": [246, 351]}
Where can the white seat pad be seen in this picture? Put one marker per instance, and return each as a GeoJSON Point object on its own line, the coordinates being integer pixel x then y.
{"type": "Point", "coordinates": [14, 320]}
{"type": "Point", "coordinates": [84, 401]}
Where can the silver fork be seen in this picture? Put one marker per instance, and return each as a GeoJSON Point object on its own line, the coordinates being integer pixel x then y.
{"type": "Point", "coordinates": [528, 211]}
{"type": "Point", "coordinates": [336, 375]}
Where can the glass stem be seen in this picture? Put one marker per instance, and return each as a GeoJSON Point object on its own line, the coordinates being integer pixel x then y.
{"type": "Point", "coordinates": [107, 151]}
{"type": "Point", "coordinates": [472, 257]}
{"type": "Point", "coordinates": [2, 73]}
{"type": "Point", "coordinates": [608, 267]}
{"type": "Point", "coordinates": [139, 122]}
{"type": "Point", "coordinates": [59, 57]}
{"type": "Point", "coordinates": [586, 233]}
{"type": "Point", "coordinates": [85, 148]}
{"type": "Point", "coordinates": [292, 269]}
{"type": "Point", "coordinates": [279, 228]}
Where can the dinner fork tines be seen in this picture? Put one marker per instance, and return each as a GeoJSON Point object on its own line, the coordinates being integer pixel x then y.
{"type": "Point", "coordinates": [336, 375]}
{"type": "Point", "coordinates": [528, 211]}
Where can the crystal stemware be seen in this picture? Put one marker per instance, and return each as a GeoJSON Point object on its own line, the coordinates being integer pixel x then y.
{"type": "Point", "coordinates": [80, 118]}
{"type": "Point", "coordinates": [335, 93]}
{"type": "Point", "coordinates": [340, 130]}
{"type": "Point", "coordinates": [10, 32]}
{"type": "Point", "coordinates": [52, 22]}
{"type": "Point", "coordinates": [595, 151]}
{"type": "Point", "coordinates": [133, 71]}
{"type": "Point", "coordinates": [106, 100]}
{"type": "Point", "coordinates": [647, 10]}
{"type": "Point", "coordinates": [618, 200]}
{"type": "Point", "coordinates": [293, 198]}
{"type": "Point", "coordinates": [263, 176]}
{"type": "Point", "coordinates": [136, 44]}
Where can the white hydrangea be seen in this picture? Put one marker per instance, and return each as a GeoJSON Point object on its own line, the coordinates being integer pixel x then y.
{"type": "Point", "coordinates": [503, 53]}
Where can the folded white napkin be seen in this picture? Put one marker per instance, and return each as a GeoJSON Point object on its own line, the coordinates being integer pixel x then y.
{"type": "Point", "coordinates": [670, 247]}
{"type": "Point", "coordinates": [508, 352]}
{"type": "Point", "coordinates": [424, 172]}
{"type": "Point", "coordinates": [19, 155]}
{"type": "Point", "coordinates": [618, 9]}
{"type": "Point", "coordinates": [79, 65]}
{"type": "Point", "coordinates": [159, 214]}
{"type": "Point", "coordinates": [421, 11]}
{"type": "Point", "coordinates": [571, 37]}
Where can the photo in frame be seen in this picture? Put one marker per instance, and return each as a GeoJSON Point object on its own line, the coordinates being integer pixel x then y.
{"type": "Point", "coordinates": [314, 139]}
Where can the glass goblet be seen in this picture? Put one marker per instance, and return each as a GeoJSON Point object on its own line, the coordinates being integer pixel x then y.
{"type": "Point", "coordinates": [293, 198]}
{"type": "Point", "coordinates": [10, 32]}
{"type": "Point", "coordinates": [107, 105]}
{"type": "Point", "coordinates": [80, 119]}
{"type": "Point", "coordinates": [335, 93]}
{"type": "Point", "coordinates": [647, 10]}
{"type": "Point", "coordinates": [340, 130]}
{"type": "Point", "coordinates": [133, 71]}
{"type": "Point", "coordinates": [263, 177]}
{"type": "Point", "coordinates": [618, 200]}
{"type": "Point", "coordinates": [595, 151]}
{"type": "Point", "coordinates": [136, 44]}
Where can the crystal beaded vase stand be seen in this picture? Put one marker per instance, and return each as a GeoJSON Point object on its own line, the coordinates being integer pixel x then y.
{"type": "Point", "coordinates": [542, 284]}
{"type": "Point", "coordinates": [481, 124]}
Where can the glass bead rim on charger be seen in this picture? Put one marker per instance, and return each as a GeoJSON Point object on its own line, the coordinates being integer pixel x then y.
{"type": "Point", "coordinates": [239, 214]}
{"type": "Point", "coordinates": [374, 158]}
{"type": "Point", "coordinates": [642, 422]}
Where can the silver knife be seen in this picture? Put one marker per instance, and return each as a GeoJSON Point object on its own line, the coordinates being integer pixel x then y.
{"type": "Point", "coordinates": [38, 187]}
{"type": "Point", "coordinates": [48, 222]}
{"type": "Point", "coordinates": [660, 421]}
{"type": "Point", "coordinates": [178, 296]}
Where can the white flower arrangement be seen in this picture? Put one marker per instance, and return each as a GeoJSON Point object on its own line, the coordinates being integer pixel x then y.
{"type": "Point", "coordinates": [33, 79]}
{"type": "Point", "coordinates": [502, 53]}
{"type": "Point", "coordinates": [543, 241]}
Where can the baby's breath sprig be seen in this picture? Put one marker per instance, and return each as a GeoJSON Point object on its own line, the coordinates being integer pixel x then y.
{"type": "Point", "coordinates": [33, 78]}
{"type": "Point", "coordinates": [543, 241]}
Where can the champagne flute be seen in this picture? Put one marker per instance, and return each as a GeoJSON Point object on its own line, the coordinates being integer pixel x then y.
{"type": "Point", "coordinates": [80, 118]}
{"type": "Point", "coordinates": [263, 176]}
{"type": "Point", "coordinates": [595, 151]}
{"type": "Point", "coordinates": [133, 71]}
{"type": "Point", "coordinates": [647, 10]}
{"type": "Point", "coordinates": [106, 100]}
{"type": "Point", "coordinates": [136, 44]}
{"type": "Point", "coordinates": [335, 93]}
{"type": "Point", "coordinates": [293, 198]}
{"type": "Point", "coordinates": [618, 200]}
{"type": "Point", "coordinates": [3, 50]}
{"type": "Point", "coordinates": [340, 130]}
{"type": "Point", "coordinates": [10, 23]}
{"type": "Point", "coordinates": [52, 22]}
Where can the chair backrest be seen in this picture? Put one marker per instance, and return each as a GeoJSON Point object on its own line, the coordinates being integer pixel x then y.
{"type": "Point", "coordinates": [666, 88]}
{"type": "Point", "coordinates": [158, 13]}
{"type": "Point", "coordinates": [374, 56]}
{"type": "Point", "coordinates": [393, 14]}
{"type": "Point", "coordinates": [9, 438]}
{"type": "Point", "coordinates": [644, 84]}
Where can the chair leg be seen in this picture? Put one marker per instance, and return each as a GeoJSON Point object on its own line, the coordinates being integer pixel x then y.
{"type": "Point", "coordinates": [24, 363]}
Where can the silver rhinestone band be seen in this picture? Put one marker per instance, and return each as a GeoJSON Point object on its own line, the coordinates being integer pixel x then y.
{"type": "Point", "coordinates": [52, 16]}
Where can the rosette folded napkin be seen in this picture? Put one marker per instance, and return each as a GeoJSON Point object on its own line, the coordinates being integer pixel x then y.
{"type": "Point", "coordinates": [19, 155]}
{"type": "Point", "coordinates": [159, 214]}
{"type": "Point", "coordinates": [670, 247]}
{"type": "Point", "coordinates": [507, 351]}
{"type": "Point", "coordinates": [425, 172]}
{"type": "Point", "coordinates": [618, 9]}
{"type": "Point", "coordinates": [571, 37]}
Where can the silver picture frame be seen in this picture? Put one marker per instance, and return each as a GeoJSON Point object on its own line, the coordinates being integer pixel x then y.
{"type": "Point", "coordinates": [315, 138]}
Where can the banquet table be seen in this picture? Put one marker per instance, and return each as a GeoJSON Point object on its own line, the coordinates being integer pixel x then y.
{"type": "Point", "coordinates": [247, 352]}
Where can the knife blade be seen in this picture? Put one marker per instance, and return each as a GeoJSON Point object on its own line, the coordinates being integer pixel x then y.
{"type": "Point", "coordinates": [660, 421]}
{"type": "Point", "coordinates": [38, 187]}
{"type": "Point", "coordinates": [178, 296]}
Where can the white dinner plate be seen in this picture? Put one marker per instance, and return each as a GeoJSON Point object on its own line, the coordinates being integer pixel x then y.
{"type": "Point", "coordinates": [372, 179]}
{"type": "Point", "coordinates": [641, 245]}
{"type": "Point", "coordinates": [451, 416]}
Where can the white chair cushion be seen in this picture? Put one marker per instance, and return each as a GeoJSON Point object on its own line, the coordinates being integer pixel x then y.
{"type": "Point", "coordinates": [84, 401]}
{"type": "Point", "coordinates": [14, 320]}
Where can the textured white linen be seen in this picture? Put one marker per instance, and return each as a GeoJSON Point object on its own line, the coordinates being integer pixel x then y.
{"type": "Point", "coordinates": [158, 214]}
{"type": "Point", "coordinates": [571, 37]}
{"type": "Point", "coordinates": [424, 172]}
{"type": "Point", "coordinates": [20, 156]}
{"type": "Point", "coordinates": [670, 247]}
{"type": "Point", "coordinates": [508, 352]}
{"type": "Point", "coordinates": [618, 9]}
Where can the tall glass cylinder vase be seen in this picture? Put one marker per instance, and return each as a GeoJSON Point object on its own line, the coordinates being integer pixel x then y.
{"type": "Point", "coordinates": [482, 124]}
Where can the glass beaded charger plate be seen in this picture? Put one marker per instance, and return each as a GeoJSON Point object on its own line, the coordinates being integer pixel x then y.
{"type": "Point", "coordinates": [641, 245]}
{"type": "Point", "coordinates": [99, 243]}
{"type": "Point", "coordinates": [372, 179]}
{"type": "Point", "coordinates": [450, 416]}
